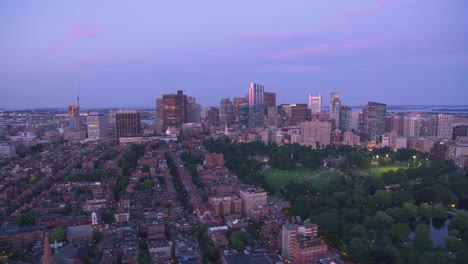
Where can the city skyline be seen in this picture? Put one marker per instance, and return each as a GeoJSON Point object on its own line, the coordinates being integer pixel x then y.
{"type": "Point", "coordinates": [129, 55]}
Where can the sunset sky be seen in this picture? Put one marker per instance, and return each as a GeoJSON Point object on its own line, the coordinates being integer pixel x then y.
{"type": "Point", "coordinates": [128, 53]}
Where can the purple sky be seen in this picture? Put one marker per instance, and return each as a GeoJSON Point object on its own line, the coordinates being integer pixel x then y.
{"type": "Point", "coordinates": [128, 53]}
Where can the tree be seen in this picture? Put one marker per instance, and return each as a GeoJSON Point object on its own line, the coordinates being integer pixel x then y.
{"type": "Point", "coordinates": [58, 234]}
{"type": "Point", "coordinates": [399, 232]}
{"type": "Point", "coordinates": [328, 221]}
{"type": "Point", "coordinates": [411, 210]}
{"type": "Point", "coordinates": [425, 210]}
{"type": "Point", "coordinates": [27, 218]}
{"type": "Point", "coordinates": [383, 220]}
{"type": "Point", "coordinates": [422, 239]}
{"type": "Point", "coordinates": [439, 211]}
{"type": "Point", "coordinates": [360, 249]}
{"type": "Point", "coordinates": [452, 243]}
{"type": "Point", "coordinates": [237, 240]}
{"type": "Point", "coordinates": [145, 168]}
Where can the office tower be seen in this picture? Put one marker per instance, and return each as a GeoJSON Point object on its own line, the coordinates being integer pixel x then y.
{"type": "Point", "coordinates": [315, 104]}
{"type": "Point", "coordinates": [397, 124]}
{"type": "Point", "coordinates": [444, 125]}
{"type": "Point", "coordinates": [269, 100]}
{"type": "Point", "coordinates": [74, 117]}
{"type": "Point", "coordinates": [160, 111]}
{"type": "Point", "coordinates": [227, 109]}
{"type": "Point", "coordinates": [213, 116]}
{"type": "Point", "coordinates": [175, 109]}
{"type": "Point", "coordinates": [411, 124]}
{"type": "Point", "coordinates": [298, 114]}
{"type": "Point", "coordinates": [374, 119]}
{"type": "Point", "coordinates": [252, 197]}
{"type": "Point", "coordinates": [335, 105]}
{"type": "Point", "coordinates": [236, 103]}
{"type": "Point", "coordinates": [243, 114]}
{"type": "Point", "coordinates": [193, 110]}
{"type": "Point", "coordinates": [316, 133]}
{"type": "Point", "coordinates": [97, 125]}
{"type": "Point", "coordinates": [459, 131]}
{"type": "Point", "coordinates": [428, 127]}
{"type": "Point", "coordinates": [345, 118]}
{"type": "Point", "coordinates": [355, 120]}
{"type": "Point", "coordinates": [127, 123]}
{"type": "Point", "coordinates": [256, 105]}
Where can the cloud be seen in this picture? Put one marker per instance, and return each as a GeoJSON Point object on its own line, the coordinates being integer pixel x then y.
{"type": "Point", "coordinates": [446, 59]}
{"type": "Point", "coordinates": [254, 35]}
{"type": "Point", "coordinates": [75, 34]}
{"type": "Point", "coordinates": [320, 49]}
{"type": "Point", "coordinates": [338, 22]}
{"type": "Point", "coordinates": [367, 12]}
{"type": "Point", "coordinates": [294, 69]}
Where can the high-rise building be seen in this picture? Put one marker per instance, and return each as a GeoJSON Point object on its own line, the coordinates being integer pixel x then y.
{"type": "Point", "coordinates": [74, 121]}
{"type": "Point", "coordinates": [243, 114]}
{"type": "Point", "coordinates": [301, 244]}
{"type": "Point", "coordinates": [256, 105]}
{"type": "Point", "coordinates": [213, 116]}
{"type": "Point", "coordinates": [251, 198]}
{"type": "Point", "coordinates": [397, 124]}
{"type": "Point", "coordinates": [298, 113]}
{"type": "Point", "coordinates": [459, 131]}
{"type": "Point", "coordinates": [227, 109]}
{"type": "Point", "coordinates": [345, 118]}
{"type": "Point", "coordinates": [269, 100]}
{"type": "Point", "coordinates": [193, 110]}
{"type": "Point", "coordinates": [315, 104]}
{"type": "Point", "coordinates": [335, 104]}
{"type": "Point", "coordinates": [374, 119]}
{"type": "Point", "coordinates": [444, 125]}
{"type": "Point", "coordinates": [127, 123]}
{"type": "Point", "coordinates": [411, 124]}
{"type": "Point", "coordinates": [175, 109]}
{"type": "Point", "coordinates": [355, 120]}
{"type": "Point", "coordinates": [236, 103]}
{"type": "Point", "coordinates": [428, 126]}
{"type": "Point", "coordinates": [316, 133]}
{"type": "Point", "coordinates": [97, 125]}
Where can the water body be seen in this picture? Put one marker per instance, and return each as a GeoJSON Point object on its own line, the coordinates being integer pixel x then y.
{"type": "Point", "coordinates": [438, 229]}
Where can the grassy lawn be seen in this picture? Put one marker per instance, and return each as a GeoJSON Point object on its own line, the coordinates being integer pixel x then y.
{"type": "Point", "coordinates": [323, 179]}
{"type": "Point", "coordinates": [276, 178]}
{"type": "Point", "coordinates": [377, 171]}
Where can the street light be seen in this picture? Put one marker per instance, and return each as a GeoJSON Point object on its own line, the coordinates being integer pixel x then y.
{"type": "Point", "coordinates": [414, 162]}
{"type": "Point", "coordinates": [386, 160]}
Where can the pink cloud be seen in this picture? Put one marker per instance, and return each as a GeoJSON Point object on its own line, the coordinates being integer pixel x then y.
{"type": "Point", "coordinates": [320, 49]}
{"type": "Point", "coordinates": [75, 34]}
{"type": "Point", "coordinates": [294, 69]}
{"type": "Point", "coordinates": [338, 22]}
{"type": "Point", "coordinates": [252, 35]}
{"type": "Point", "coordinates": [367, 12]}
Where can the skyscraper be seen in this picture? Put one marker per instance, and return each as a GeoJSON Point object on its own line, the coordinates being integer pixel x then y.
{"type": "Point", "coordinates": [256, 105]}
{"type": "Point", "coordinates": [411, 124]}
{"type": "Point", "coordinates": [345, 118]}
{"type": "Point", "coordinates": [243, 114]}
{"type": "Point", "coordinates": [315, 104]}
{"type": "Point", "coordinates": [269, 100]}
{"type": "Point", "coordinates": [298, 113]}
{"type": "Point", "coordinates": [335, 105]}
{"type": "Point", "coordinates": [228, 110]}
{"type": "Point", "coordinates": [97, 125]}
{"type": "Point", "coordinates": [374, 119]}
{"type": "Point", "coordinates": [127, 123]}
{"type": "Point", "coordinates": [175, 109]}
{"type": "Point", "coordinates": [444, 125]}
{"type": "Point", "coordinates": [193, 110]}
{"type": "Point", "coordinates": [237, 102]}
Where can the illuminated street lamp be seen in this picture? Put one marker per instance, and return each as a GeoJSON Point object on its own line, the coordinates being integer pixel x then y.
{"type": "Point", "coordinates": [414, 162]}
{"type": "Point", "coordinates": [386, 160]}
